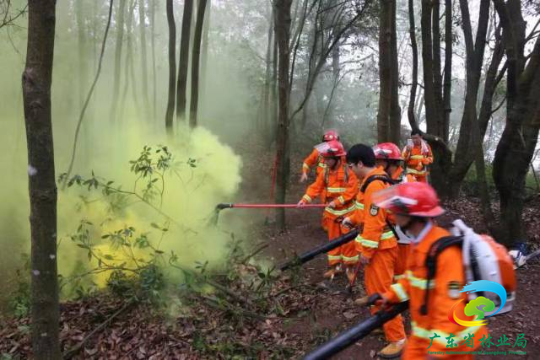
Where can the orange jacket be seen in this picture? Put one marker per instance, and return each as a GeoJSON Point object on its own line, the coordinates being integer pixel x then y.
{"type": "Point", "coordinates": [341, 186]}
{"type": "Point", "coordinates": [400, 176]}
{"type": "Point", "coordinates": [449, 280]}
{"type": "Point", "coordinates": [376, 234]}
{"type": "Point", "coordinates": [314, 159]}
{"type": "Point", "coordinates": [417, 159]}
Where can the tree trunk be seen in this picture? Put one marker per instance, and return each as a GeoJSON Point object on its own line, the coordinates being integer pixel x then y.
{"type": "Point", "coordinates": [154, 74]}
{"type": "Point", "coordinates": [181, 90]}
{"type": "Point", "coordinates": [272, 133]}
{"type": "Point", "coordinates": [336, 74]}
{"type": "Point", "coordinates": [118, 56]}
{"type": "Point", "coordinates": [474, 64]}
{"type": "Point", "coordinates": [437, 73]}
{"type": "Point", "coordinates": [265, 118]}
{"type": "Point", "coordinates": [427, 59]}
{"type": "Point", "coordinates": [414, 82]}
{"type": "Point", "coordinates": [282, 29]}
{"type": "Point", "coordinates": [204, 51]}
{"type": "Point", "coordinates": [395, 111]}
{"type": "Point", "coordinates": [172, 67]}
{"type": "Point", "coordinates": [130, 57]}
{"type": "Point", "coordinates": [144, 61]}
{"type": "Point", "coordinates": [83, 51]}
{"type": "Point", "coordinates": [389, 113]}
{"type": "Point", "coordinates": [433, 96]}
{"type": "Point", "coordinates": [520, 136]}
{"type": "Point", "coordinates": [195, 64]}
{"type": "Point", "coordinates": [447, 94]}
{"type": "Point", "coordinates": [385, 71]}
{"type": "Point", "coordinates": [36, 84]}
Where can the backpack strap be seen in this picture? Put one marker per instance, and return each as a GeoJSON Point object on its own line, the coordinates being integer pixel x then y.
{"type": "Point", "coordinates": [372, 178]}
{"type": "Point", "coordinates": [431, 263]}
{"type": "Point", "coordinates": [392, 228]}
{"type": "Point", "coordinates": [326, 175]}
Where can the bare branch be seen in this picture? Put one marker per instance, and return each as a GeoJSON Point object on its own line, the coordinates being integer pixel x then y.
{"type": "Point", "coordinates": [10, 19]}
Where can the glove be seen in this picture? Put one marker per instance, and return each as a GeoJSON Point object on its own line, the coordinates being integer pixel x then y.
{"type": "Point", "coordinates": [301, 203]}
{"type": "Point", "coordinates": [347, 222]}
{"type": "Point", "coordinates": [304, 177]}
{"type": "Point", "coordinates": [374, 299]}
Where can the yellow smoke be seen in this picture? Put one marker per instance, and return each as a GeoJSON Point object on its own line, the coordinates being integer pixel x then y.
{"type": "Point", "coordinates": [190, 197]}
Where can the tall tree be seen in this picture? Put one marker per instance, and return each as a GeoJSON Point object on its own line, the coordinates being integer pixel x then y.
{"type": "Point", "coordinates": [282, 9]}
{"type": "Point", "coordinates": [265, 118]}
{"type": "Point", "coordinates": [448, 43]}
{"type": "Point", "coordinates": [389, 114]}
{"type": "Point", "coordinates": [433, 94]}
{"type": "Point", "coordinates": [204, 51]}
{"type": "Point", "coordinates": [474, 63]}
{"type": "Point", "coordinates": [195, 63]}
{"type": "Point", "coordinates": [144, 61]}
{"type": "Point", "coordinates": [181, 90]}
{"type": "Point", "coordinates": [36, 86]}
{"type": "Point", "coordinates": [82, 44]}
{"type": "Point", "coordinates": [448, 175]}
{"type": "Point", "coordinates": [153, 42]}
{"type": "Point", "coordinates": [471, 137]}
{"type": "Point", "coordinates": [520, 136]}
{"type": "Point", "coordinates": [118, 56]}
{"type": "Point", "coordinates": [172, 66]}
{"type": "Point", "coordinates": [414, 82]}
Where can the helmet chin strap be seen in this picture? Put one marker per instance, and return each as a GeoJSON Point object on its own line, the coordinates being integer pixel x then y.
{"type": "Point", "coordinates": [408, 225]}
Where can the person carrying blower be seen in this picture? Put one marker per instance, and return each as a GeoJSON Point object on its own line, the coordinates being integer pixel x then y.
{"type": "Point", "coordinates": [418, 156]}
{"type": "Point", "coordinates": [376, 242]}
{"type": "Point", "coordinates": [388, 157]}
{"type": "Point", "coordinates": [340, 186]}
{"type": "Point", "coordinates": [315, 158]}
{"type": "Point", "coordinates": [415, 205]}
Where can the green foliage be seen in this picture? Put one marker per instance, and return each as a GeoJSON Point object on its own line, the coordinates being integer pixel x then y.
{"type": "Point", "coordinates": [470, 183]}
{"type": "Point", "coordinates": [19, 303]}
{"type": "Point", "coordinates": [6, 356]}
{"type": "Point", "coordinates": [474, 307]}
{"type": "Point", "coordinates": [135, 262]}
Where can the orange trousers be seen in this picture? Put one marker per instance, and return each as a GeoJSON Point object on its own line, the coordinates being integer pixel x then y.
{"type": "Point", "coordinates": [378, 276]}
{"type": "Point", "coordinates": [345, 254]}
{"type": "Point", "coordinates": [401, 261]}
{"type": "Point", "coordinates": [417, 348]}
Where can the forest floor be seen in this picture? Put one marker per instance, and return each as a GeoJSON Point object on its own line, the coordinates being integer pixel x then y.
{"type": "Point", "coordinates": [294, 313]}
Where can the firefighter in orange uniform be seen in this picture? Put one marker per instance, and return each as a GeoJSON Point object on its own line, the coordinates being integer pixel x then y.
{"type": "Point", "coordinates": [340, 186]}
{"type": "Point", "coordinates": [315, 158]}
{"type": "Point", "coordinates": [388, 157]}
{"type": "Point", "coordinates": [415, 205]}
{"type": "Point", "coordinates": [376, 243]}
{"type": "Point", "coordinates": [418, 156]}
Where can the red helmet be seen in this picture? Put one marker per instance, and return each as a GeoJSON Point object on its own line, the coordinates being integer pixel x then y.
{"type": "Point", "coordinates": [387, 151]}
{"type": "Point", "coordinates": [411, 199]}
{"type": "Point", "coordinates": [331, 149]}
{"type": "Point", "coordinates": [330, 135]}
